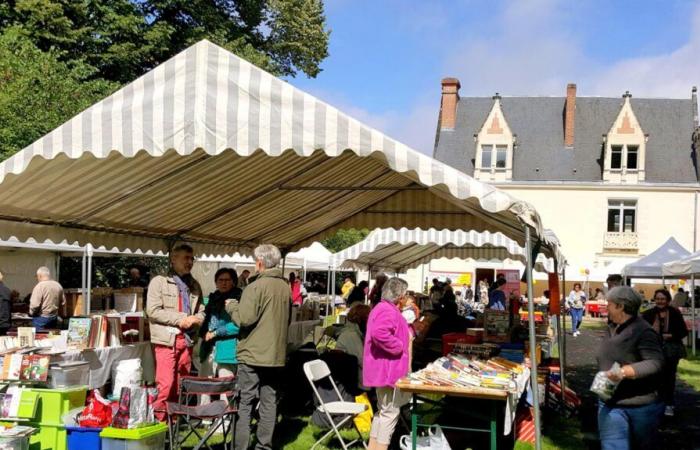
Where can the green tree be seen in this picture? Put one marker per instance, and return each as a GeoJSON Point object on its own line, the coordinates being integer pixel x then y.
{"type": "Point", "coordinates": [38, 92]}
{"type": "Point", "coordinates": [344, 238]}
{"type": "Point", "coordinates": [122, 39]}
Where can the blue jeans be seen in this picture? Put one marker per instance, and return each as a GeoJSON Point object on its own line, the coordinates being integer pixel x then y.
{"type": "Point", "coordinates": [576, 318]}
{"type": "Point", "coordinates": [42, 322]}
{"type": "Point", "coordinates": [624, 428]}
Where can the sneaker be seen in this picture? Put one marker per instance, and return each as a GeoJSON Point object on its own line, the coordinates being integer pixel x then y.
{"type": "Point", "coordinates": [669, 411]}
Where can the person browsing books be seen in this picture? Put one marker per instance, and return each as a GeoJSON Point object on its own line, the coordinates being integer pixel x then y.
{"type": "Point", "coordinates": [47, 297]}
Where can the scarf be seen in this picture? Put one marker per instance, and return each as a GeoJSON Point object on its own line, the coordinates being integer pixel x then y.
{"type": "Point", "coordinates": [184, 292]}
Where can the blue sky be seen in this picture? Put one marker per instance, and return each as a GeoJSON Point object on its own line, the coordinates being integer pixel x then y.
{"type": "Point", "coordinates": [387, 56]}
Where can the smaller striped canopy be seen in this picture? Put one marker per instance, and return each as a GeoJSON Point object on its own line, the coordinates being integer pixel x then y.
{"type": "Point", "coordinates": [398, 250]}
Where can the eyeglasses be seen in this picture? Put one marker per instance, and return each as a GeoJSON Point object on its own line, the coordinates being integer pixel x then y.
{"type": "Point", "coordinates": [659, 298]}
{"type": "Point", "coordinates": [224, 279]}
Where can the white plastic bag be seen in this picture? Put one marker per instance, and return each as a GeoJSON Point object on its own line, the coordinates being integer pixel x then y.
{"type": "Point", "coordinates": [603, 386]}
{"type": "Point", "coordinates": [435, 440]}
{"type": "Point", "coordinates": [126, 373]}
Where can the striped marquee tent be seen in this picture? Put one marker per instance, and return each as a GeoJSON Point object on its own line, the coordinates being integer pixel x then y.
{"type": "Point", "coordinates": [209, 149]}
{"type": "Point", "coordinates": [398, 250]}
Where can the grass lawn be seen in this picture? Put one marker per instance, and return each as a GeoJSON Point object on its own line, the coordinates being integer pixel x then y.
{"type": "Point", "coordinates": [290, 434]}
{"type": "Point", "coordinates": [560, 434]}
{"type": "Point", "coordinates": [689, 371]}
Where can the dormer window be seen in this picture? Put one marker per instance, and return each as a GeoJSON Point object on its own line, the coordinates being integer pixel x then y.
{"type": "Point", "coordinates": [494, 147]}
{"type": "Point", "coordinates": [624, 147]}
{"type": "Point", "coordinates": [624, 156]}
{"type": "Point", "coordinates": [494, 157]}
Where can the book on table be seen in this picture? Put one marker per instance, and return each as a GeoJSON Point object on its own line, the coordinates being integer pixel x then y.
{"type": "Point", "coordinates": [79, 332]}
{"type": "Point", "coordinates": [26, 335]}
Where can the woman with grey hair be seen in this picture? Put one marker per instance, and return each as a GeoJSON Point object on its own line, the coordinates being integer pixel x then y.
{"type": "Point", "coordinates": [385, 361]}
{"type": "Point", "coordinates": [630, 418]}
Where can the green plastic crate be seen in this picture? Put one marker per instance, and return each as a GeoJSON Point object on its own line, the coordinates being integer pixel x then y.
{"type": "Point", "coordinates": [48, 438]}
{"type": "Point", "coordinates": [54, 403]}
{"type": "Point", "coordinates": [134, 433]}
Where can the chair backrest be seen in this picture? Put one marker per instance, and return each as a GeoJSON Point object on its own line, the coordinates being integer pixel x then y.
{"type": "Point", "coordinates": [198, 386]}
{"type": "Point", "coordinates": [316, 370]}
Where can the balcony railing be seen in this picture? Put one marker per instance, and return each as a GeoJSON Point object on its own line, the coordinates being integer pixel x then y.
{"type": "Point", "coordinates": [621, 241]}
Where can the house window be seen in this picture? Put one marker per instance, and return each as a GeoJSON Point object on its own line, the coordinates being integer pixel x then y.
{"type": "Point", "coordinates": [632, 152]}
{"type": "Point", "coordinates": [491, 160]}
{"type": "Point", "coordinates": [486, 151]}
{"type": "Point", "coordinates": [501, 154]}
{"type": "Point", "coordinates": [616, 157]}
{"type": "Point", "coordinates": [624, 156]}
{"type": "Point", "coordinates": [622, 216]}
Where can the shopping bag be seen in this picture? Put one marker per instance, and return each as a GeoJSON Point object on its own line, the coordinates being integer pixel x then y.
{"type": "Point", "coordinates": [97, 412]}
{"type": "Point", "coordinates": [435, 440]}
{"type": "Point", "coordinates": [363, 421]}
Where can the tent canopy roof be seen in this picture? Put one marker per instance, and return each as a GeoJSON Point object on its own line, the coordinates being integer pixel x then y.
{"type": "Point", "coordinates": [399, 250]}
{"type": "Point", "coordinates": [209, 149]}
{"type": "Point", "coordinates": [651, 265]}
{"type": "Point", "coordinates": [689, 265]}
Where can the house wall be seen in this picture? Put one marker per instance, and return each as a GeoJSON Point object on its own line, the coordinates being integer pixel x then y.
{"type": "Point", "coordinates": [578, 216]}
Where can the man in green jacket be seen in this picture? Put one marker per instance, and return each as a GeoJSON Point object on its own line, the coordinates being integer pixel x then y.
{"type": "Point", "coordinates": [263, 318]}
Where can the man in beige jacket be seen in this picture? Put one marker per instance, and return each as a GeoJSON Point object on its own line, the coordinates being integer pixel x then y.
{"type": "Point", "coordinates": [175, 311]}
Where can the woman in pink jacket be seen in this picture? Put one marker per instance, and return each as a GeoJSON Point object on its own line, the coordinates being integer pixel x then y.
{"type": "Point", "coordinates": [385, 361]}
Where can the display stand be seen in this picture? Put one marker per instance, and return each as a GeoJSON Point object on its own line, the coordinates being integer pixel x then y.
{"type": "Point", "coordinates": [495, 398]}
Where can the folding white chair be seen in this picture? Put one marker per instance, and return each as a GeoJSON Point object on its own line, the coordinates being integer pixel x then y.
{"type": "Point", "coordinates": [317, 370]}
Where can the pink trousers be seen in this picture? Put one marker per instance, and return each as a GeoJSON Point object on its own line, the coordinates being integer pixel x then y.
{"type": "Point", "coordinates": [171, 364]}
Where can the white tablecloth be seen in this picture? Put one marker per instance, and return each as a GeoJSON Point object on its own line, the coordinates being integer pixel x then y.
{"type": "Point", "coordinates": [521, 382]}
{"type": "Point", "coordinates": [102, 360]}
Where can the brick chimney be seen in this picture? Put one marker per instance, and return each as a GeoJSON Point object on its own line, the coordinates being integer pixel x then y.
{"type": "Point", "coordinates": [570, 115]}
{"type": "Point", "coordinates": [448, 104]}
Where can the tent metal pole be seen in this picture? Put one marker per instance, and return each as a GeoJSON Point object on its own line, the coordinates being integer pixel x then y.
{"type": "Point", "coordinates": [562, 319]}
{"type": "Point", "coordinates": [304, 270]}
{"type": "Point", "coordinates": [333, 291]}
{"type": "Point", "coordinates": [693, 334]}
{"type": "Point", "coordinates": [83, 285]}
{"type": "Point", "coordinates": [559, 342]}
{"type": "Point", "coordinates": [533, 341]}
{"type": "Point", "coordinates": [88, 249]}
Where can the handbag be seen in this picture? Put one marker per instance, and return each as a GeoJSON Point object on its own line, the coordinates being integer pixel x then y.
{"type": "Point", "coordinates": [363, 421]}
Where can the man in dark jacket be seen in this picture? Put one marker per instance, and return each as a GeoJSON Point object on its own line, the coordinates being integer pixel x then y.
{"type": "Point", "coordinates": [263, 318]}
{"type": "Point", "coordinates": [5, 307]}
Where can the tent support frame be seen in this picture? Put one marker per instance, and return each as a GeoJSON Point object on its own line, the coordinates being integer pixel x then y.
{"type": "Point", "coordinates": [533, 341]}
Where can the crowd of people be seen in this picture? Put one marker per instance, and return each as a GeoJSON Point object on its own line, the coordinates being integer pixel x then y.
{"type": "Point", "coordinates": [241, 331]}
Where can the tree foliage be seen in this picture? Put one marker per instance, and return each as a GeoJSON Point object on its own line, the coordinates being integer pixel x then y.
{"type": "Point", "coordinates": [344, 238]}
{"type": "Point", "coordinates": [122, 39]}
{"type": "Point", "coordinates": [38, 92]}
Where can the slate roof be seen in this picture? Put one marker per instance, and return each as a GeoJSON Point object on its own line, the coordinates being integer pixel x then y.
{"type": "Point", "coordinates": [540, 154]}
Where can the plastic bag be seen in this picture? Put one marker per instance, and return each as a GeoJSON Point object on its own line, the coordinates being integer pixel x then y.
{"type": "Point", "coordinates": [603, 386]}
{"type": "Point", "coordinates": [135, 407]}
{"type": "Point", "coordinates": [363, 421]}
{"type": "Point", "coordinates": [127, 372]}
{"type": "Point", "coordinates": [435, 440]}
{"type": "Point", "coordinates": [97, 412]}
